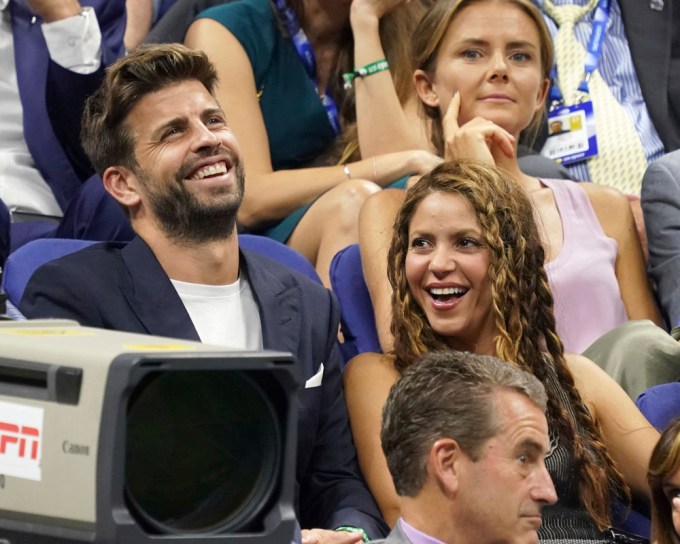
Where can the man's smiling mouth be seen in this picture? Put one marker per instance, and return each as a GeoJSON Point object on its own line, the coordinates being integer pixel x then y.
{"type": "Point", "coordinates": [216, 169]}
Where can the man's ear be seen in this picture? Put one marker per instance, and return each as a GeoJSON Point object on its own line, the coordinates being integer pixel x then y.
{"type": "Point", "coordinates": [445, 463]}
{"type": "Point", "coordinates": [425, 89]}
{"type": "Point", "coordinates": [122, 184]}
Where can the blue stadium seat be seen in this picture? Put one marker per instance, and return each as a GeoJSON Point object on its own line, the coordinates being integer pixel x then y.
{"type": "Point", "coordinates": [21, 263]}
{"type": "Point", "coordinates": [357, 318]}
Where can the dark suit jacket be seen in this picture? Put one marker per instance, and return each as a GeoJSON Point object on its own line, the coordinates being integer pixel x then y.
{"type": "Point", "coordinates": [53, 98]}
{"type": "Point", "coordinates": [661, 207]}
{"type": "Point", "coordinates": [123, 287]}
{"type": "Point", "coordinates": [654, 41]}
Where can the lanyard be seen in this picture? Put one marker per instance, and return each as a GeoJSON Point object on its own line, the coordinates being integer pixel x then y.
{"type": "Point", "coordinates": [597, 37]}
{"type": "Point", "coordinates": [306, 53]}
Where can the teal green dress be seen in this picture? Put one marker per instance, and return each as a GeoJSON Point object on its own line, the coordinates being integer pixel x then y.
{"type": "Point", "coordinates": [295, 119]}
{"type": "Point", "coordinates": [297, 125]}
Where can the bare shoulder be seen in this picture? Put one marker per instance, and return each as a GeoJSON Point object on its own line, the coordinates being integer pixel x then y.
{"type": "Point", "coordinates": [370, 370]}
{"type": "Point", "coordinates": [203, 32]}
{"type": "Point", "coordinates": [608, 402]}
{"type": "Point", "coordinates": [601, 193]}
{"type": "Point", "coordinates": [591, 381]}
{"type": "Point", "coordinates": [611, 207]}
{"type": "Point", "coordinates": [604, 198]}
{"type": "Point", "coordinates": [581, 367]}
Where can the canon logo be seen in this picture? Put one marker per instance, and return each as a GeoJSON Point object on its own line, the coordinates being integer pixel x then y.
{"type": "Point", "coordinates": [74, 449]}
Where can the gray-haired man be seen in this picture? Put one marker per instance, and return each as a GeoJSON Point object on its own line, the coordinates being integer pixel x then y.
{"type": "Point", "coordinates": [465, 438]}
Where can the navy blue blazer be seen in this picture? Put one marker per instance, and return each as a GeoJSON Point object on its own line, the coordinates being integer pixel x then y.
{"type": "Point", "coordinates": [123, 287]}
{"type": "Point", "coordinates": [53, 98]}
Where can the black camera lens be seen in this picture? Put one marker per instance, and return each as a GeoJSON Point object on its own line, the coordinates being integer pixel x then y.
{"type": "Point", "coordinates": [203, 451]}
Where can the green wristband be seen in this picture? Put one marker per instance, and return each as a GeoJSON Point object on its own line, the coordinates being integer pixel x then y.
{"type": "Point", "coordinates": [365, 71]}
{"type": "Point", "coordinates": [350, 529]}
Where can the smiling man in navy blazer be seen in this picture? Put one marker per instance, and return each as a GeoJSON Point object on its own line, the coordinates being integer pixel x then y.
{"type": "Point", "coordinates": [161, 143]}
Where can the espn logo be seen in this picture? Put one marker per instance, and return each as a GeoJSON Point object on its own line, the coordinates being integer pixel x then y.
{"type": "Point", "coordinates": [21, 430]}
{"type": "Point", "coordinates": [22, 439]}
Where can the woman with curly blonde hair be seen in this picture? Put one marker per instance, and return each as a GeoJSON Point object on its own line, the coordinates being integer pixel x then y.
{"type": "Point", "coordinates": [664, 482]}
{"type": "Point", "coordinates": [466, 268]}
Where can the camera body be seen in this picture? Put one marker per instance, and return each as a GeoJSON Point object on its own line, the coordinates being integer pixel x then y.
{"type": "Point", "coordinates": [125, 438]}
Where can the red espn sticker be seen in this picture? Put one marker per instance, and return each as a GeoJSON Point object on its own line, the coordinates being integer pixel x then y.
{"type": "Point", "coordinates": [20, 440]}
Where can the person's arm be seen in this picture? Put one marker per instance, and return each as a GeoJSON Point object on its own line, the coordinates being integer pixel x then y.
{"type": "Point", "coordinates": [628, 436]}
{"type": "Point", "coordinates": [75, 73]}
{"type": "Point", "coordinates": [375, 234]}
{"type": "Point", "coordinates": [661, 207]}
{"type": "Point", "coordinates": [384, 124]}
{"type": "Point", "coordinates": [614, 213]}
{"type": "Point", "coordinates": [273, 194]}
{"type": "Point", "coordinates": [367, 380]}
{"type": "Point", "coordinates": [333, 493]}
{"type": "Point", "coordinates": [139, 21]}
{"type": "Point", "coordinates": [67, 298]}
{"type": "Point", "coordinates": [80, 47]}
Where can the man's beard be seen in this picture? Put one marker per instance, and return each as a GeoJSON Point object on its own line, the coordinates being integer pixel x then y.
{"type": "Point", "coordinates": [188, 220]}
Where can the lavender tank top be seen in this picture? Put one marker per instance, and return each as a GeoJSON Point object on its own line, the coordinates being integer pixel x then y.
{"type": "Point", "coordinates": [582, 278]}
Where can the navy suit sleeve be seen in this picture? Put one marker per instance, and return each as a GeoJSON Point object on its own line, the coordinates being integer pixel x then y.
{"type": "Point", "coordinates": [67, 91]}
{"type": "Point", "coordinates": [333, 492]}
{"type": "Point", "coordinates": [56, 291]}
{"type": "Point", "coordinates": [661, 208]}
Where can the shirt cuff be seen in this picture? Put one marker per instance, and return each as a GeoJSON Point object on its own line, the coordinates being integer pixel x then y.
{"type": "Point", "coordinates": [75, 43]}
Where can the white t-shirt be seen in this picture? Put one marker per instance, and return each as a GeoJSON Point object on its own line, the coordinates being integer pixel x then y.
{"type": "Point", "coordinates": [225, 315]}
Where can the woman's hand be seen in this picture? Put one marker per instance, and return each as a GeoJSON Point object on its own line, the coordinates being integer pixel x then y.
{"type": "Point", "coordinates": [478, 139]}
{"type": "Point", "coordinates": [423, 161]}
{"type": "Point", "coordinates": [388, 168]}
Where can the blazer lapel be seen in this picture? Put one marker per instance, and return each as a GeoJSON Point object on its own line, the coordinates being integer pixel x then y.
{"type": "Point", "coordinates": [155, 301]}
{"type": "Point", "coordinates": [153, 297]}
{"type": "Point", "coordinates": [279, 305]}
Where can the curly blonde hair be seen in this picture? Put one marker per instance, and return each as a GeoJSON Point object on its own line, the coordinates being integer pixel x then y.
{"type": "Point", "coordinates": [522, 306]}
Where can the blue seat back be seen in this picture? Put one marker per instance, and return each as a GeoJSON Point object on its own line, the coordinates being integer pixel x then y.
{"type": "Point", "coordinates": [357, 317]}
{"type": "Point", "coordinates": [21, 263]}
{"type": "Point", "coordinates": [24, 261]}
{"type": "Point", "coordinates": [660, 404]}
{"type": "Point", "coordinates": [279, 252]}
